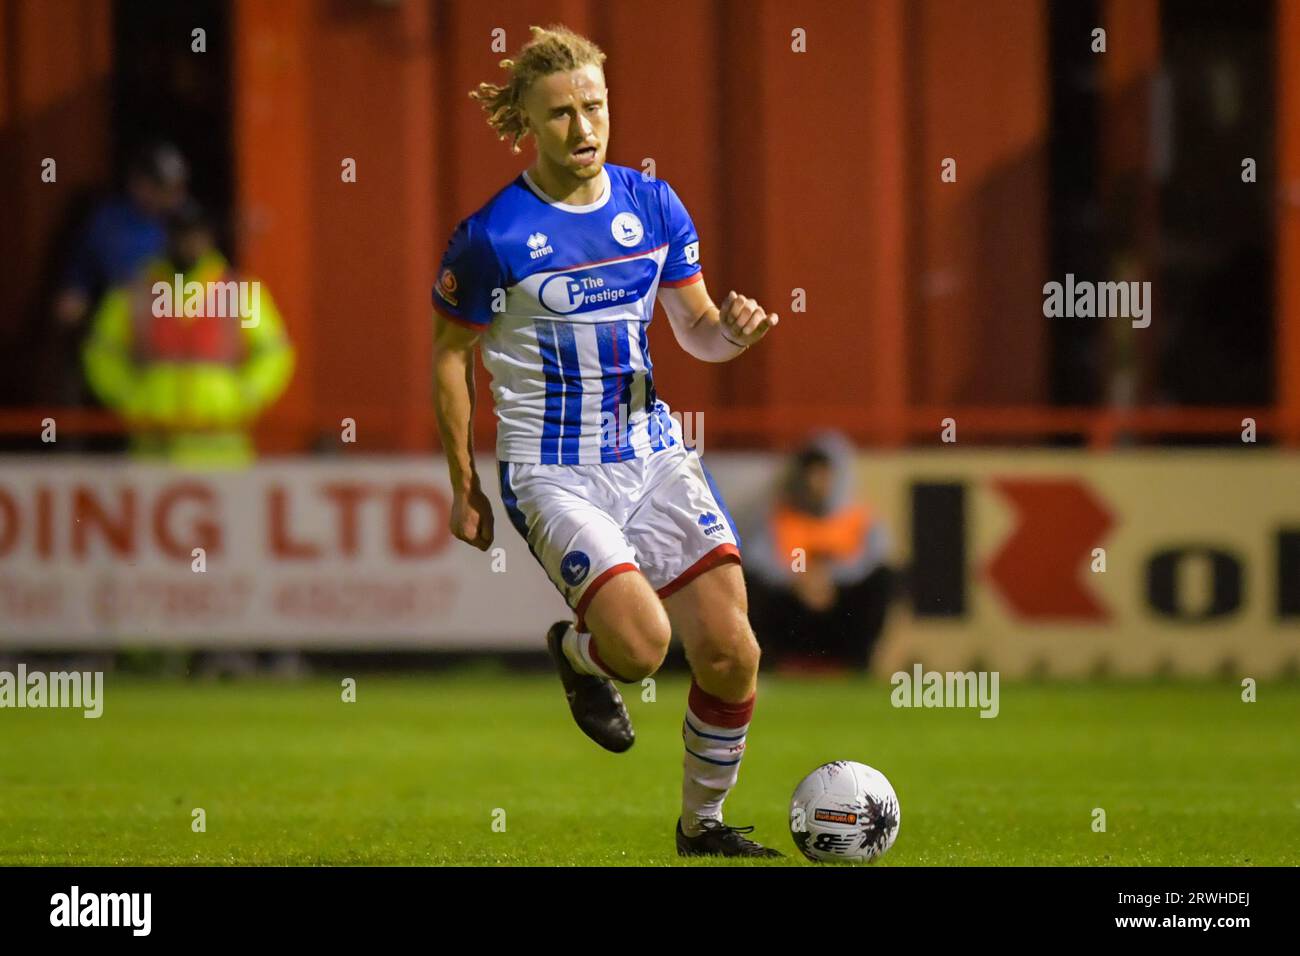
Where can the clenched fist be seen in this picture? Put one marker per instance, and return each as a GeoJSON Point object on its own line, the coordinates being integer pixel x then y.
{"type": "Point", "coordinates": [471, 518]}
{"type": "Point", "coordinates": [743, 320]}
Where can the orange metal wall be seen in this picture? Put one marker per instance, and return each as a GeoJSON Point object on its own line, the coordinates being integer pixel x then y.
{"type": "Point", "coordinates": [817, 171]}
{"type": "Point", "coordinates": [55, 63]}
{"type": "Point", "coordinates": [978, 82]}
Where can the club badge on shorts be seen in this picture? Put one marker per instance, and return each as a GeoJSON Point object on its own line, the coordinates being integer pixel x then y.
{"type": "Point", "coordinates": [574, 568]}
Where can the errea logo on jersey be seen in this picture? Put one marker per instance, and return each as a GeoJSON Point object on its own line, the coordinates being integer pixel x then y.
{"type": "Point", "coordinates": [537, 242]}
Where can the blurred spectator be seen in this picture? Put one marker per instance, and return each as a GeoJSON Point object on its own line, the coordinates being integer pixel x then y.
{"type": "Point", "coordinates": [818, 582]}
{"type": "Point", "coordinates": [122, 233]}
{"type": "Point", "coordinates": [189, 385]}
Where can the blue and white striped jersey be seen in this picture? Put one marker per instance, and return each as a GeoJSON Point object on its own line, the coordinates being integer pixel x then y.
{"type": "Point", "coordinates": [563, 295]}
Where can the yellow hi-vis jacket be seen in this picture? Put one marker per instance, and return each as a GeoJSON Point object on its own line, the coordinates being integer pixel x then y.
{"type": "Point", "coordinates": [189, 386]}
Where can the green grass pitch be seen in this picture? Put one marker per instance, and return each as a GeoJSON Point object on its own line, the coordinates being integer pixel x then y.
{"type": "Point", "coordinates": [412, 772]}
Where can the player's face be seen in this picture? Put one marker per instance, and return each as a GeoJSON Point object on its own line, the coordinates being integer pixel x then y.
{"type": "Point", "coordinates": [568, 113]}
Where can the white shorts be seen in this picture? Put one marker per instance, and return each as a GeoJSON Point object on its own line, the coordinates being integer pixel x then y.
{"type": "Point", "coordinates": [660, 515]}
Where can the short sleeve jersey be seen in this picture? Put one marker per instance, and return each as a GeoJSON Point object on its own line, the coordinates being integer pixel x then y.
{"type": "Point", "coordinates": [563, 295]}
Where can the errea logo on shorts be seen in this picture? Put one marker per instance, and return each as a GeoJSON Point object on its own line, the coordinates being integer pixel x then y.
{"type": "Point", "coordinates": [710, 523]}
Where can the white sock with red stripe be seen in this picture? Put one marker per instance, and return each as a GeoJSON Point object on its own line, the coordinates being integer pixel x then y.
{"type": "Point", "coordinates": [714, 736]}
{"type": "Point", "coordinates": [580, 649]}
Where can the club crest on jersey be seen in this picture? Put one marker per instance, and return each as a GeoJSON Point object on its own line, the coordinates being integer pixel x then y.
{"type": "Point", "coordinates": [537, 243]}
{"type": "Point", "coordinates": [627, 229]}
{"type": "Point", "coordinates": [710, 523]}
{"type": "Point", "coordinates": [574, 567]}
{"type": "Point", "coordinates": [447, 286]}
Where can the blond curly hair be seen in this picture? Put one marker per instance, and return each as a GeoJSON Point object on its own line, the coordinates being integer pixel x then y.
{"type": "Point", "coordinates": [553, 49]}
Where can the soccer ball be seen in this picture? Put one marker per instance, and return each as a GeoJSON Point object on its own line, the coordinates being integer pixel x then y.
{"type": "Point", "coordinates": [844, 811]}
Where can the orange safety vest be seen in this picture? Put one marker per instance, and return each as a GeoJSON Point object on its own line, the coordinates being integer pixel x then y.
{"type": "Point", "coordinates": [182, 339]}
{"type": "Point", "coordinates": [837, 536]}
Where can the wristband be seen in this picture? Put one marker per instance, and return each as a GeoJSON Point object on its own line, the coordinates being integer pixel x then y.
{"type": "Point", "coordinates": [729, 342]}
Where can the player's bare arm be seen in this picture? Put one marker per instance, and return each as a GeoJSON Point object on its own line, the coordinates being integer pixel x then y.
{"type": "Point", "coordinates": [453, 375]}
{"type": "Point", "coordinates": [710, 332]}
